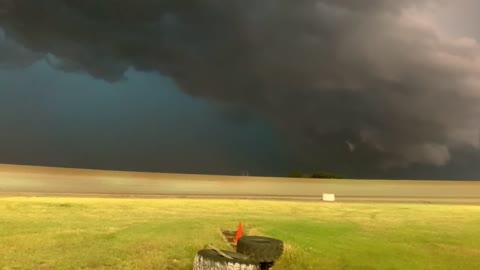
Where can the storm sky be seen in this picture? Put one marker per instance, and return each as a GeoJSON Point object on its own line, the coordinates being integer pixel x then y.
{"type": "Point", "coordinates": [368, 89]}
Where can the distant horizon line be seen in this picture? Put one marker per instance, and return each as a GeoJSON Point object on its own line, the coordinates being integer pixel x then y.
{"type": "Point", "coordinates": [45, 167]}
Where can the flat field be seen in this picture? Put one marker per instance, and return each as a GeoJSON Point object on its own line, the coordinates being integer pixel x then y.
{"type": "Point", "coordinates": [122, 233]}
{"type": "Point", "coordinates": [48, 181]}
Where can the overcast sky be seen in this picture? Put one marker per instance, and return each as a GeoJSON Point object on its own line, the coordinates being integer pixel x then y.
{"type": "Point", "coordinates": [369, 89]}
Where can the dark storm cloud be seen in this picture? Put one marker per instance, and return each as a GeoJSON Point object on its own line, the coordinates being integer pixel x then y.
{"type": "Point", "coordinates": [376, 73]}
{"type": "Point", "coordinates": [144, 123]}
{"type": "Point", "coordinates": [13, 55]}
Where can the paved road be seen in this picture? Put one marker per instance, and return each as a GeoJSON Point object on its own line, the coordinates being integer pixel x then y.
{"type": "Point", "coordinates": [29, 180]}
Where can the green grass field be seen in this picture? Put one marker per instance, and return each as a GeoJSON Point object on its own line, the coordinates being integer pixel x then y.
{"type": "Point", "coordinates": [84, 233]}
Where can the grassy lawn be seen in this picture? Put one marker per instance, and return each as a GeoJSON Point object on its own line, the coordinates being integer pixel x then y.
{"type": "Point", "coordinates": [80, 233]}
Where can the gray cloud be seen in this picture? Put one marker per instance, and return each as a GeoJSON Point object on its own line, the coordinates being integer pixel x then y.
{"type": "Point", "coordinates": [13, 55]}
{"type": "Point", "coordinates": [144, 123]}
{"type": "Point", "coordinates": [378, 73]}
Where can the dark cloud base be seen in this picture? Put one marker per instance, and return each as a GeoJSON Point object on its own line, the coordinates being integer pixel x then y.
{"type": "Point", "coordinates": [375, 74]}
{"type": "Point", "coordinates": [143, 124]}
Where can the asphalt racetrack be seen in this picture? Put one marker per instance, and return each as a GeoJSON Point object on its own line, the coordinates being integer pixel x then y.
{"type": "Point", "coordinates": [16, 180]}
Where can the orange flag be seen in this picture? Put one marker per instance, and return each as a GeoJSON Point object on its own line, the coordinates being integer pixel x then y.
{"type": "Point", "coordinates": [239, 233]}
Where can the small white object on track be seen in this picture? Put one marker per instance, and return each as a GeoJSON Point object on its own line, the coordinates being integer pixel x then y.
{"type": "Point", "coordinates": [329, 197]}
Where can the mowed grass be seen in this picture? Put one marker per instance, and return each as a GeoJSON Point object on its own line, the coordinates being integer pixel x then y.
{"type": "Point", "coordinates": [88, 233]}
